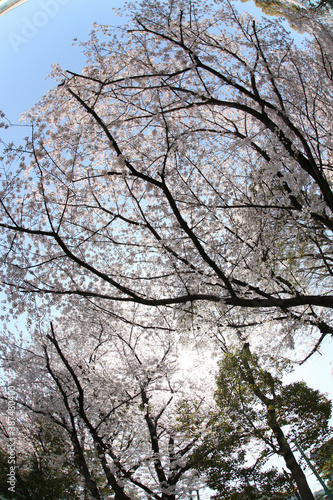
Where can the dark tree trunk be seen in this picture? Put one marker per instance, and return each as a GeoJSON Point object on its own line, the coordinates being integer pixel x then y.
{"type": "Point", "coordinates": [166, 496]}
{"type": "Point", "coordinates": [289, 457]}
{"type": "Point", "coordinates": [272, 421]}
{"type": "Point", "coordinates": [298, 475]}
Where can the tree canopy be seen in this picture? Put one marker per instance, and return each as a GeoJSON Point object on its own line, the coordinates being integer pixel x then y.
{"type": "Point", "coordinates": [323, 458]}
{"type": "Point", "coordinates": [189, 163]}
{"type": "Point", "coordinates": [177, 189]}
{"type": "Point", "coordinates": [287, 9]}
{"type": "Point", "coordinates": [115, 394]}
{"type": "Point", "coordinates": [45, 471]}
{"type": "Point", "coordinates": [257, 416]}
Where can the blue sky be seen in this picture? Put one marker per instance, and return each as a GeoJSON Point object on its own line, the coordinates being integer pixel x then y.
{"type": "Point", "coordinates": [39, 33]}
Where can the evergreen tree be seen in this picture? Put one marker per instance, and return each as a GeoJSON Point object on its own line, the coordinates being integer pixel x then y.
{"type": "Point", "coordinates": [258, 417]}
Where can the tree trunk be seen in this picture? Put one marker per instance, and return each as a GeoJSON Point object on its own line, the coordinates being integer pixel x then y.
{"type": "Point", "coordinates": [289, 457]}
{"type": "Point", "coordinates": [298, 475]}
{"type": "Point", "coordinates": [168, 496]}
{"type": "Point", "coordinates": [272, 420]}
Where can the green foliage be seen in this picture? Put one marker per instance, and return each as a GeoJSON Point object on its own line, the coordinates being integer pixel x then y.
{"type": "Point", "coordinates": [234, 476]}
{"type": "Point", "coordinates": [302, 407]}
{"type": "Point", "coordinates": [249, 391]}
{"type": "Point", "coordinates": [47, 473]}
{"type": "Point", "coordinates": [252, 403]}
{"type": "Point", "coordinates": [301, 9]}
{"type": "Point", "coordinates": [278, 7]}
{"type": "Point", "coordinates": [323, 457]}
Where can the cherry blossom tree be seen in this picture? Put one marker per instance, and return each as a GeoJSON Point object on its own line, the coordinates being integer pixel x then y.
{"type": "Point", "coordinates": [116, 393]}
{"type": "Point", "coordinates": [189, 166]}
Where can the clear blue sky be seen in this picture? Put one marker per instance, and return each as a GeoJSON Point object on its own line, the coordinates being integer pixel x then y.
{"type": "Point", "coordinates": [39, 33]}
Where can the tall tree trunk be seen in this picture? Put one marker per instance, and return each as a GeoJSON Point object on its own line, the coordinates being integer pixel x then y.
{"type": "Point", "coordinates": [298, 475]}
{"type": "Point", "coordinates": [272, 420]}
{"type": "Point", "coordinates": [288, 456]}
